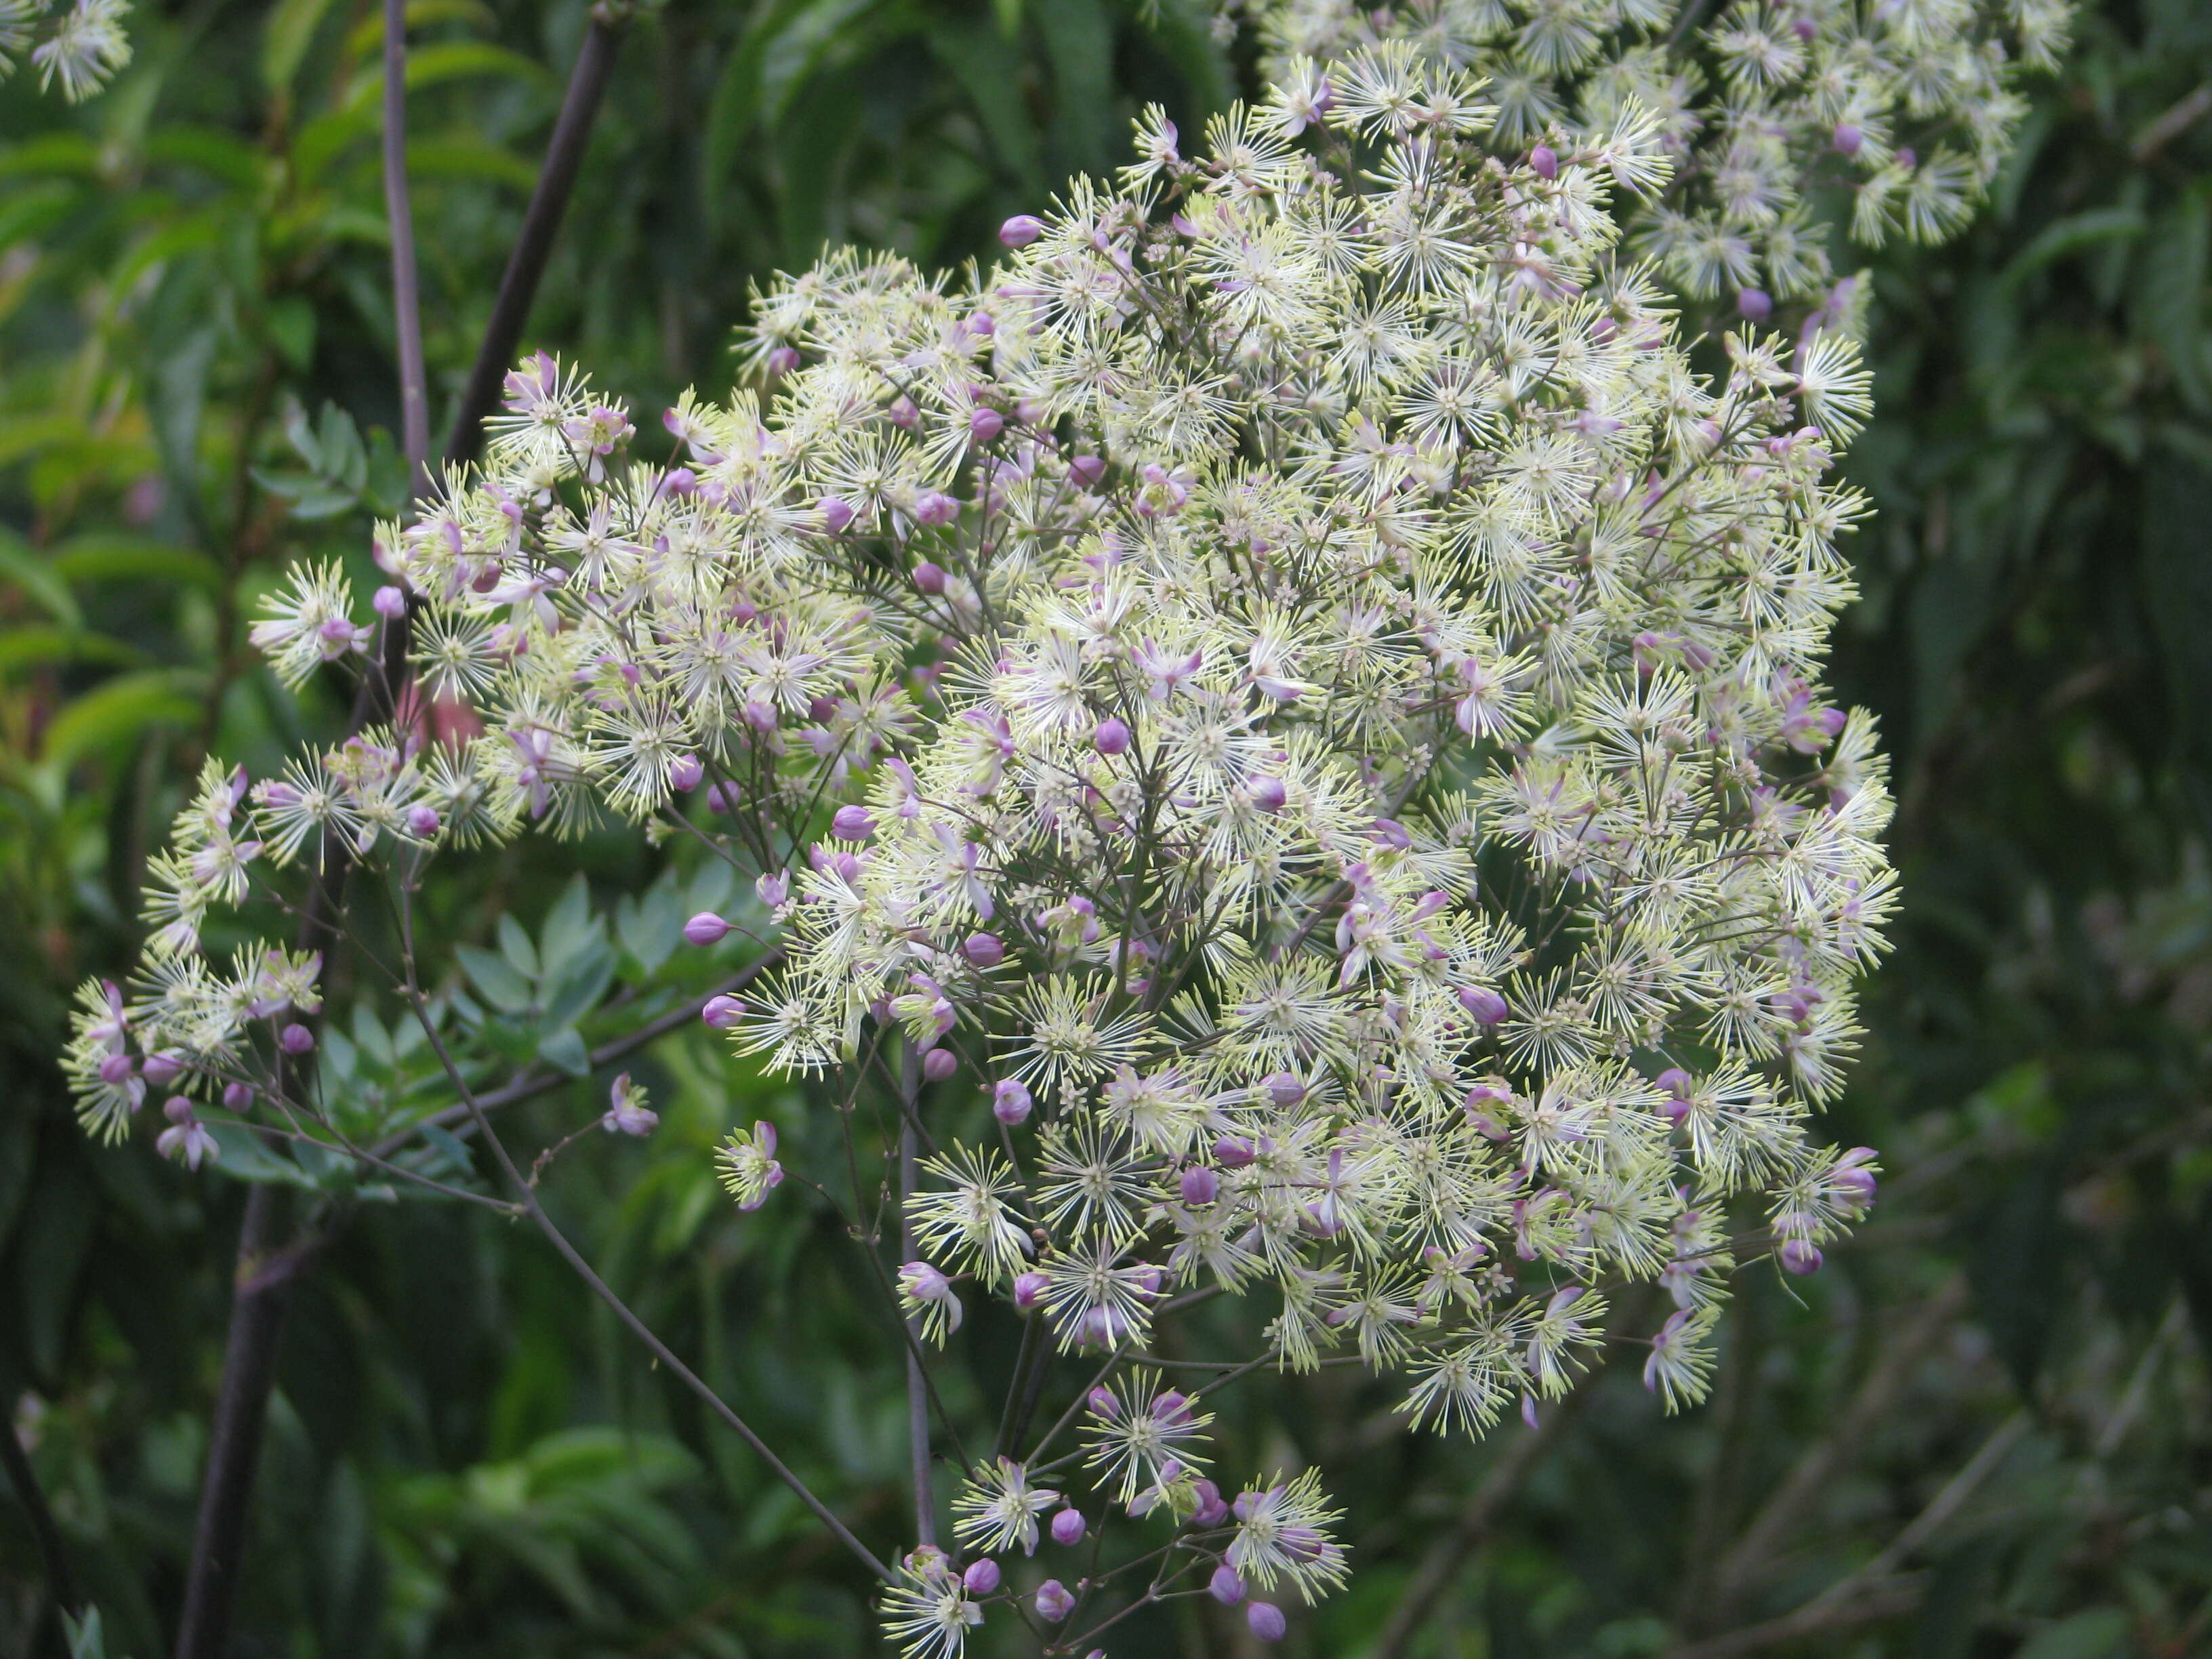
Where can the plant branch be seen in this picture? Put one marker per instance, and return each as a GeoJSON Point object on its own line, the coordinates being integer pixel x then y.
{"type": "Point", "coordinates": [917, 1390]}
{"type": "Point", "coordinates": [533, 246]}
{"type": "Point", "coordinates": [61, 1587]}
{"type": "Point", "coordinates": [399, 215]}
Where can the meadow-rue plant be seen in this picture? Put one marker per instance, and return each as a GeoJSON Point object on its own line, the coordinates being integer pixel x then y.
{"type": "Point", "coordinates": [78, 46]}
{"type": "Point", "coordinates": [1278, 737]}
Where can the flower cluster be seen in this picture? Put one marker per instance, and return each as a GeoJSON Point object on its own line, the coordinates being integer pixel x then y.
{"type": "Point", "coordinates": [1909, 106]}
{"type": "Point", "coordinates": [1287, 717]}
{"type": "Point", "coordinates": [82, 46]}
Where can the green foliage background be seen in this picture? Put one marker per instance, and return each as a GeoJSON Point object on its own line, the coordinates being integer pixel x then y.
{"type": "Point", "coordinates": [1986, 1430]}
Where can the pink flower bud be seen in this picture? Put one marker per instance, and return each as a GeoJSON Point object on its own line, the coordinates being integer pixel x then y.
{"type": "Point", "coordinates": [295, 1039]}
{"type": "Point", "coordinates": [706, 928]}
{"type": "Point", "coordinates": [836, 512]}
{"type": "Point", "coordinates": [985, 424]}
{"type": "Point", "coordinates": [685, 771]}
{"type": "Point", "coordinates": [1212, 1510]}
{"type": "Point", "coordinates": [902, 412]}
{"type": "Point", "coordinates": [1285, 1089]}
{"type": "Point", "coordinates": [1268, 793]}
{"type": "Point", "coordinates": [115, 1069]}
{"type": "Point", "coordinates": [1054, 1603]}
{"type": "Point", "coordinates": [1105, 1403]}
{"type": "Point", "coordinates": [1021, 230]}
{"type": "Point", "coordinates": [423, 821]}
{"type": "Point", "coordinates": [390, 604]}
{"type": "Point", "coordinates": [1200, 1186]}
{"type": "Point", "coordinates": [1112, 736]}
{"type": "Point", "coordinates": [166, 1065]}
{"type": "Point", "coordinates": [1265, 1620]}
{"type": "Point", "coordinates": [1232, 1153]}
{"type": "Point", "coordinates": [722, 1012]}
{"type": "Point", "coordinates": [1029, 1290]}
{"type": "Point", "coordinates": [1391, 833]}
{"type": "Point", "coordinates": [853, 823]}
{"type": "Point", "coordinates": [1846, 139]}
{"type": "Point", "coordinates": [1011, 1103]}
{"type": "Point", "coordinates": [782, 360]}
{"type": "Point", "coordinates": [1907, 158]}
{"type": "Point", "coordinates": [981, 325]}
{"type": "Point", "coordinates": [1754, 304]}
{"type": "Point", "coordinates": [1069, 1526]}
{"type": "Point", "coordinates": [981, 1578]}
{"type": "Point", "coordinates": [1485, 1006]}
{"type": "Point", "coordinates": [237, 1097]}
{"type": "Point", "coordinates": [1545, 164]}
{"type": "Point", "coordinates": [935, 506]}
{"type": "Point", "coordinates": [1087, 470]}
{"type": "Point", "coordinates": [939, 1063]}
{"type": "Point", "coordinates": [1226, 1587]}
{"type": "Point", "coordinates": [929, 578]}
{"type": "Point", "coordinates": [1800, 1257]}
{"type": "Point", "coordinates": [984, 949]}
{"type": "Point", "coordinates": [177, 1110]}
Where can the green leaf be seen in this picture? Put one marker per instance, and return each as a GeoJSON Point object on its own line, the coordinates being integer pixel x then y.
{"type": "Point", "coordinates": [368, 34]}
{"type": "Point", "coordinates": [989, 70]}
{"type": "Point", "coordinates": [2072, 235]}
{"type": "Point", "coordinates": [284, 41]}
{"type": "Point", "coordinates": [514, 944]}
{"type": "Point", "coordinates": [507, 991]}
{"type": "Point", "coordinates": [468, 159]}
{"type": "Point", "coordinates": [570, 928]}
{"type": "Point", "coordinates": [22, 565]}
{"type": "Point", "coordinates": [449, 60]}
{"type": "Point", "coordinates": [21, 647]}
{"type": "Point", "coordinates": [87, 1637]}
{"type": "Point", "coordinates": [453, 1152]}
{"type": "Point", "coordinates": [241, 1154]}
{"type": "Point", "coordinates": [117, 557]}
{"type": "Point", "coordinates": [565, 1049]}
{"type": "Point", "coordinates": [2098, 1633]}
{"type": "Point", "coordinates": [120, 709]}
{"type": "Point", "coordinates": [213, 151]}
{"type": "Point", "coordinates": [69, 154]}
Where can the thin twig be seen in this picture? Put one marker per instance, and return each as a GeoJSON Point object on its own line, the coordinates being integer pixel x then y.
{"type": "Point", "coordinates": [399, 215]}
{"type": "Point", "coordinates": [61, 1587]}
{"type": "Point", "coordinates": [533, 246]}
{"type": "Point", "coordinates": [917, 1388]}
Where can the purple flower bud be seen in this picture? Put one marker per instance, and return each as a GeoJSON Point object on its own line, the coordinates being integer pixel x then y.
{"type": "Point", "coordinates": [685, 771]}
{"type": "Point", "coordinates": [1907, 158]}
{"type": "Point", "coordinates": [390, 603]}
{"type": "Point", "coordinates": [853, 823]}
{"type": "Point", "coordinates": [836, 512]}
{"type": "Point", "coordinates": [984, 949]}
{"type": "Point", "coordinates": [982, 1576]}
{"type": "Point", "coordinates": [706, 928]}
{"type": "Point", "coordinates": [423, 821]}
{"type": "Point", "coordinates": [1011, 1103]}
{"type": "Point", "coordinates": [1054, 1603]}
{"type": "Point", "coordinates": [1105, 1403]}
{"type": "Point", "coordinates": [1232, 1153]}
{"type": "Point", "coordinates": [1200, 1186]}
{"type": "Point", "coordinates": [902, 412]}
{"type": "Point", "coordinates": [1110, 737]}
{"type": "Point", "coordinates": [1268, 793]}
{"type": "Point", "coordinates": [164, 1066]}
{"type": "Point", "coordinates": [722, 1012]}
{"type": "Point", "coordinates": [1846, 139]}
{"type": "Point", "coordinates": [1087, 470]}
{"type": "Point", "coordinates": [1392, 834]}
{"type": "Point", "coordinates": [924, 1282]}
{"type": "Point", "coordinates": [782, 360]}
{"type": "Point", "coordinates": [1029, 1290]}
{"type": "Point", "coordinates": [295, 1039]}
{"type": "Point", "coordinates": [762, 717]}
{"type": "Point", "coordinates": [981, 325]}
{"type": "Point", "coordinates": [1545, 164]}
{"type": "Point", "coordinates": [177, 1110]}
{"type": "Point", "coordinates": [985, 424]}
{"type": "Point", "coordinates": [1069, 1526]}
{"type": "Point", "coordinates": [1212, 1510]}
{"type": "Point", "coordinates": [237, 1097]}
{"type": "Point", "coordinates": [115, 1069]}
{"type": "Point", "coordinates": [1484, 1006]}
{"type": "Point", "coordinates": [935, 506]}
{"type": "Point", "coordinates": [1754, 304]}
{"type": "Point", "coordinates": [1021, 230]}
{"type": "Point", "coordinates": [1804, 28]}
{"type": "Point", "coordinates": [1265, 1620]}
{"type": "Point", "coordinates": [1285, 1089]}
{"type": "Point", "coordinates": [1226, 1587]}
{"type": "Point", "coordinates": [1800, 1256]}
{"type": "Point", "coordinates": [929, 578]}
{"type": "Point", "coordinates": [939, 1063]}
